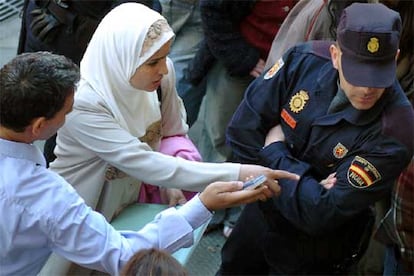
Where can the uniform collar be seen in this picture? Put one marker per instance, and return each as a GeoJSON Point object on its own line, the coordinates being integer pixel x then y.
{"type": "Point", "coordinates": [22, 151]}
{"type": "Point", "coordinates": [339, 102]}
{"type": "Point", "coordinates": [327, 79]}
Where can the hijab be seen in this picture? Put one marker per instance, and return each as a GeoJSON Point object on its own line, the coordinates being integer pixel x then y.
{"type": "Point", "coordinates": [124, 40]}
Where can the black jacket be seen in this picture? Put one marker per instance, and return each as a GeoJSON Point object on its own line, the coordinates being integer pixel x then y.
{"type": "Point", "coordinates": [223, 40]}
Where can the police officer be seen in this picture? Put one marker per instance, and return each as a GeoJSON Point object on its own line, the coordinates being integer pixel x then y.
{"type": "Point", "coordinates": [324, 110]}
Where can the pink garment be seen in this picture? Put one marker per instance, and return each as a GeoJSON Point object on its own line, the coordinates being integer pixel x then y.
{"type": "Point", "coordinates": [179, 146]}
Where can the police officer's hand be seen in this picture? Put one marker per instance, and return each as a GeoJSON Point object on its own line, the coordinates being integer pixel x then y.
{"type": "Point", "coordinates": [221, 195]}
{"type": "Point", "coordinates": [275, 134]}
{"type": "Point", "coordinates": [329, 182]}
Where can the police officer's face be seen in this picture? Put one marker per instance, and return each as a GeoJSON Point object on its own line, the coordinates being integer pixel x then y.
{"type": "Point", "coordinates": [361, 98]}
{"type": "Point", "coordinates": [148, 76]}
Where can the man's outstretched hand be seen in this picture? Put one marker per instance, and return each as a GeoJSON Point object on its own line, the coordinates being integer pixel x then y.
{"type": "Point", "coordinates": [221, 195]}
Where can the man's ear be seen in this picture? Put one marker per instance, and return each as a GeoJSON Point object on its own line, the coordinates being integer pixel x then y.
{"type": "Point", "coordinates": [37, 127]}
{"type": "Point", "coordinates": [335, 55]}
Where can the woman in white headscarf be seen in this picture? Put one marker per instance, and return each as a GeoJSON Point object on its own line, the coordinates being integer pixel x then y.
{"type": "Point", "coordinates": [109, 142]}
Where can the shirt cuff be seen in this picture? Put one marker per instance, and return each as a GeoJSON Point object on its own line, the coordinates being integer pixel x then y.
{"type": "Point", "coordinates": [195, 212]}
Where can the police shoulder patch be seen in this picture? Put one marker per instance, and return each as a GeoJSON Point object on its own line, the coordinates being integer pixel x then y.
{"type": "Point", "coordinates": [275, 68]}
{"type": "Point", "coordinates": [362, 174]}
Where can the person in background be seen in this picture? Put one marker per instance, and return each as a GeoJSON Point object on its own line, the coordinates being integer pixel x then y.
{"type": "Point", "coordinates": [184, 18]}
{"type": "Point", "coordinates": [396, 228]}
{"type": "Point", "coordinates": [233, 31]}
{"type": "Point", "coordinates": [44, 213]}
{"type": "Point", "coordinates": [153, 262]}
{"type": "Point", "coordinates": [237, 39]}
{"type": "Point", "coordinates": [308, 20]}
{"type": "Point", "coordinates": [324, 108]}
{"type": "Point", "coordinates": [62, 27]}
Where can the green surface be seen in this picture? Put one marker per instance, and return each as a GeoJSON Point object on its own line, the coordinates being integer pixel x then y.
{"type": "Point", "coordinates": [134, 217]}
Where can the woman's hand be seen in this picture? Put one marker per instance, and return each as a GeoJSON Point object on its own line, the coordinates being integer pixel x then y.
{"type": "Point", "coordinates": [172, 196]}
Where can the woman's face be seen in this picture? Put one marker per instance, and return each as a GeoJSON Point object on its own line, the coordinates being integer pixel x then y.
{"type": "Point", "coordinates": [148, 76]}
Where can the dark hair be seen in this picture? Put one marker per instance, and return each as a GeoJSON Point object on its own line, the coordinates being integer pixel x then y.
{"type": "Point", "coordinates": [406, 10]}
{"type": "Point", "coordinates": [153, 262]}
{"type": "Point", "coordinates": [34, 85]}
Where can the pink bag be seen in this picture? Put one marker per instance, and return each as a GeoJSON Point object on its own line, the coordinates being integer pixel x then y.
{"type": "Point", "coordinates": [179, 146]}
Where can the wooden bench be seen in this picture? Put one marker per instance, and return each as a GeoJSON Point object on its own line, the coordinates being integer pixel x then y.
{"type": "Point", "coordinates": [134, 217]}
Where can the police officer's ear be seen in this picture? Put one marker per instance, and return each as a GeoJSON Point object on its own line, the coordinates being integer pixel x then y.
{"type": "Point", "coordinates": [335, 55]}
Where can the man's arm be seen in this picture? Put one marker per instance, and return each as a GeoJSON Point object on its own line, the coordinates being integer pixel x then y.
{"type": "Point", "coordinates": [83, 236]}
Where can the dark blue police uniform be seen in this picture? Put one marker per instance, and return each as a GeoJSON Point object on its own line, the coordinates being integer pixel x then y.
{"type": "Point", "coordinates": [309, 229]}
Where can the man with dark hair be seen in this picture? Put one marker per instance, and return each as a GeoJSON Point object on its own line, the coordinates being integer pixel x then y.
{"type": "Point", "coordinates": [36, 86]}
{"type": "Point", "coordinates": [323, 109]}
{"type": "Point", "coordinates": [41, 213]}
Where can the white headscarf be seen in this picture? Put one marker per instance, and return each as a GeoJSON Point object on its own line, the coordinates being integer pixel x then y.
{"type": "Point", "coordinates": [112, 57]}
